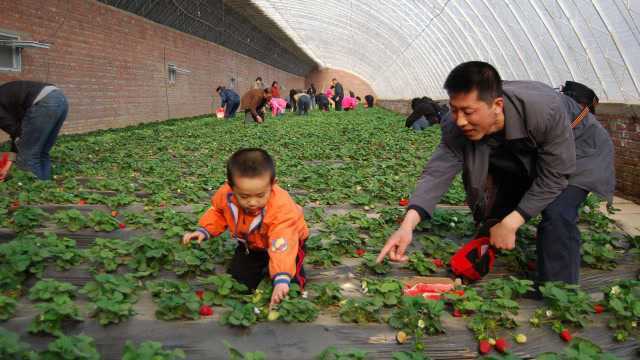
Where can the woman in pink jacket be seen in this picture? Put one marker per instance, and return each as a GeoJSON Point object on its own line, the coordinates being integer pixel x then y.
{"type": "Point", "coordinates": [277, 106]}
{"type": "Point", "coordinates": [349, 103]}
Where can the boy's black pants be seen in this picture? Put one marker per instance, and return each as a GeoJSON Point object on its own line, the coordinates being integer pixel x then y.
{"type": "Point", "coordinates": [558, 236]}
{"type": "Point", "coordinates": [249, 269]}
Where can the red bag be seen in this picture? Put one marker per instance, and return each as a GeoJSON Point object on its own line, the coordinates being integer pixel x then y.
{"type": "Point", "coordinates": [474, 260]}
{"type": "Point", "coordinates": [220, 113]}
{"type": "Point", "coordinates": [4, 159]}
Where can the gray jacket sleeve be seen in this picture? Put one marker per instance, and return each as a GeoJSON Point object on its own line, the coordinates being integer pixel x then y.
{"type": "Point", "coordinates": [556, 160]}
{"type": "Point", "coordinates": [444, 165]}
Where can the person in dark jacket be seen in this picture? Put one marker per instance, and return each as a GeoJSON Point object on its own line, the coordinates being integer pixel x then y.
{"type": "Point", "coordinates": [338, 94]}
{"type": "Point", "coordinates": [229, 100]}
{"type": "Point", "coordinates": [32, 113]}
{"type": "Point", "coordinates": [311, 91]}
{"type": "Point", "coordinates": [520, 157]}
{"type": "Point", "coordinates": [424, 114]}
{"type": "Point", "coordinates": [368, 100]}
{"type": "Point", "coordinates": [322, 101]}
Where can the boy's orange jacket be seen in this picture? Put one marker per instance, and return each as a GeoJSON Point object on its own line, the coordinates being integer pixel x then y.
{"type": "Point", "coordinates": [279, 228]}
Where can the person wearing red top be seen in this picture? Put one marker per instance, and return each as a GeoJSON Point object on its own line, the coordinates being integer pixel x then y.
{"type": "Point", "coordinates": [275, 89]}
{"type": "Point", "coordinates": [265, 221]}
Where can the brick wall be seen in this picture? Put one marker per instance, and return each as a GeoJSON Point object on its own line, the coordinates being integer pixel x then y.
{"type": "Point", "coordinates": [112, 64]}
{"type": "Point", "coordinates": [349, 81]}
{"type": "Point", "coordinates": [623, 123]}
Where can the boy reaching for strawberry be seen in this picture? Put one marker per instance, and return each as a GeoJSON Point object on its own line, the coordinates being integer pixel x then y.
{"type": "Point", "coordinates": [265, 221]}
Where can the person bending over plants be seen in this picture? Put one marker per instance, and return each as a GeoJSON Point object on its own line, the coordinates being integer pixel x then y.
{"type": "Point", "coordinates": [265, 221]}
{"type": "Point", "coordinates": [523, 149]}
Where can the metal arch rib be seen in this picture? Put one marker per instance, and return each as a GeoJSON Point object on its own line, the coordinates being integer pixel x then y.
{"type": "Point", "coordinates": [586, 50]}
{"type": "Point", "coordinates": [620, 52]}
{"type": "Point", "coordinates": [475, 29]}
{"type": "Point", "coordinates": [513, 44]}
{"type": "Point", "coordinates": [535, 48]}
{"type": "Point", "coordinates": [555, 40]}
{"type": "Point", "coordinates": [504, 55]}
{"type": "Point", "coordinates": [473, 44]}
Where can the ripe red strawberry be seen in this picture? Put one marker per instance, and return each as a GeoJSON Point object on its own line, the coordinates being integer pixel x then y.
{"type": "Point", "coordinates": [598, 308]}
{"type": "Point", "coordinates": [14, 205]}
{"type": "Point", "coordinates": [200, 294]}
{"type": "Point", "coordinates": [438, 263]}
{"type": "Point", "coordinates": [531, 265]}
{"type": "Point", "coordinates": [456, 313]}
{"type": "Point", "coordinates": [566, 335]}
{"type": "Point", "coordinates": [82, 202]}
{"type": "Point", "coordinates": [457, 292]}
{"type": "Point", "coordinates": [403, 202]}
{"type": "Point", "coordinates": [502, 345]}
{"type": "Point", "coordinates": [122, 225]}
{"type": "Point", "coordinates": [484, 347]}
{"type": "Point", "coordinates": [206, 310]}
{"type": "Point", "coordinates": [360, 252]}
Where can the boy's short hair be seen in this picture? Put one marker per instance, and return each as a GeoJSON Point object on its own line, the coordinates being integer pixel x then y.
{"type": "Point", "coordinates": [475, 75]}
{"type": "Point", "coordinates": [250, 162]}
{"type": "Point", "coordinates": [219, 88]}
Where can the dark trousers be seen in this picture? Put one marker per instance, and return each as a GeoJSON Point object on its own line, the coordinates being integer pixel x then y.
{"type": "Point", "coordinates": [338, 101]}
{"type": "Point", "coordinates": [558, 236]}
{"type": "Point", "coordinates": [231, 108]}
{"type": "Point", "coordinates": [304, 103]}
{"type": "Point", "coordinates": [249, 269]}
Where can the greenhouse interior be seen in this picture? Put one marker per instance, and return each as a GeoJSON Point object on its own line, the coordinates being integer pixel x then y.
{"type": "Point", "coordinates": [269, 179]}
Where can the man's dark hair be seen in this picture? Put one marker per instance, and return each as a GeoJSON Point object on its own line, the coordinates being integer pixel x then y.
{"type": "Point", "coordinates": [258, 78]}
{"type": "Point", "coordinates": [250, 162]}
{"type": "Point", "coordinates": [219, 88]}
{"type": "Point", "coordinates": [475, 75]}
{"type": "Point", "coordinates": [334, 79]}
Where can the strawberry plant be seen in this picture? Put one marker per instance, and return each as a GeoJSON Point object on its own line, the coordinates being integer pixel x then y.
{"type": "Point", "coordinates": [72, 220]}
{"type": "Point", "coordinates": [445, 222]}
{"type": "Point", "coordinates": [149, 255]}
{"type": "Point", "coordinates": [221, 287]}
{"type": "Point", "coordinates": [579, 349]}
{"type": "Point", "coordinates": [598, 252]}
{"type": "Point", "coordinates": [7, 307]}
{"type": "Point", "coordinates": [49, 289]}
{"type": "Point", "coordinates": [623, 301]}
{"type": "Point", "coordinates": [150, 350]}
{"type": "Point", "coordinates": [370, 264]}
{"type": "Point", "coordinates": [323, 258]}
{"type": "Point", "coordinates": [565, 305]}
{"type": "Point", "coordinates": [591, 215]}
{"type": "Point", "coordinates": [240, 315]}
{"type": "Point", "coordinates": [498, 307]}
{"type": "Point", "coordinates": [420, 264]}
{"type": "Point", "coordinates": [102, 222]}
{"type": "Point", "coordinates": [26, 219]}
{"type": "Point", "coordinates": [298, 310]}
{"type": "Point", "coordinates": [235, 354]}
{"type": "Point", "coordinates": [332, 353]}
{"type": "Point", "coordinates": [175, 300]}
{"type": "Point", "coordinates": [106, 255]}
{"type": "Point", "coordinates": [410, 355]}
{"type": "Point", "coordinates": [112, 296]}
{"type": "Point", "coordinates": [63, 252]}
{"type": "Point", "coordinates": [418, 316]}
{"type": "Point", "coordinates": [326, 293]}
{"type": "Point", "coordinates": [361, 311]}
{"type": "Point", "coordinates": [53, 314]}
{"type": "Point", "coordinates": [437, 248]}
{"type": "Point", "coordinates": [136, 220]}
{"type": "Point", "coordinates": [12, 348]}
{"type": "Point", "coordinates": [388, 291]}
{"type": "Point", "coordinates": [194, 259]}
{"type": "Point", "coordinates": [79, 347]}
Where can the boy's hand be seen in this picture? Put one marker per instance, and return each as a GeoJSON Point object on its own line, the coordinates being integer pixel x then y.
{"type": "Point", "coordinates": [279, 293]}
{"type": "Point", "coordinates": [189, 237]}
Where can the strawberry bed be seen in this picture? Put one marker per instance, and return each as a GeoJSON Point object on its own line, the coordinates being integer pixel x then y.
{"type": "Point", "coordinates": [91, 262]}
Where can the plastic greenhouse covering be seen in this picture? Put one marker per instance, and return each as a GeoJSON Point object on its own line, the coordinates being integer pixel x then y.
{"type": "Point", "coordinates": [405, 48]}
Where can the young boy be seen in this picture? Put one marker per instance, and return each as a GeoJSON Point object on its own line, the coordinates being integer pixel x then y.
{"type": "Point", "coordinates": [268, 225]}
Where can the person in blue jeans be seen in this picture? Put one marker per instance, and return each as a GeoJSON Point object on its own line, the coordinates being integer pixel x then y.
{"type": "Point", "coordinates": [32, 113]}
{"type": "Point", "coordinates": [229, 100]}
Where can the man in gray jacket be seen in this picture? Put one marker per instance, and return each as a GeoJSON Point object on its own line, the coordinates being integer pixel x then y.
{"type": "Point", "coordinates": [519, 157]}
